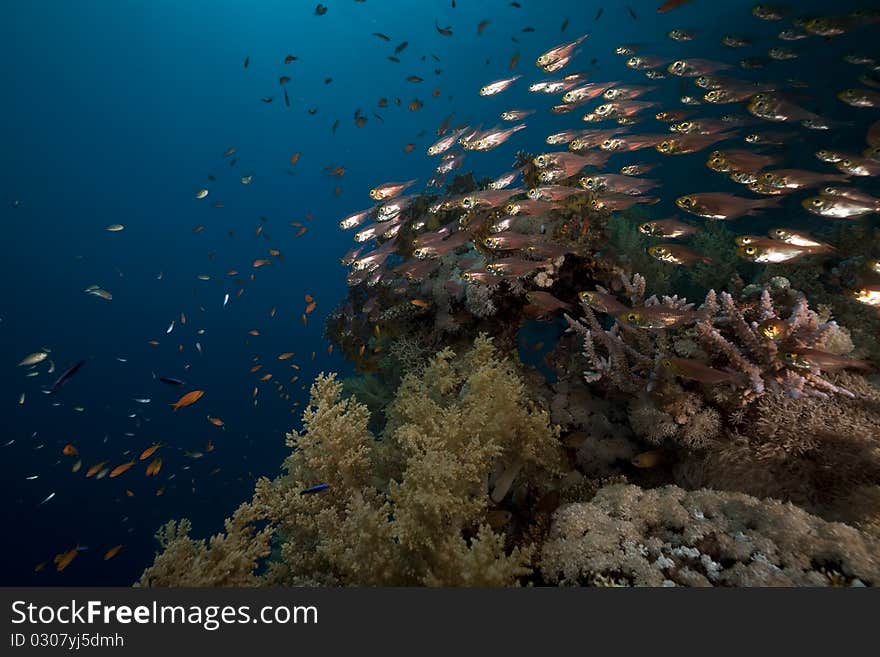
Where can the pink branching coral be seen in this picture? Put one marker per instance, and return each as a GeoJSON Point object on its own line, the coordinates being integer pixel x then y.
{"type": "Point", "coordinates": [763, 342]}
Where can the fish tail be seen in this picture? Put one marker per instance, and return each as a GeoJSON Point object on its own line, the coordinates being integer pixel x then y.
{"type": "Point", "coordinates": [763, 203]}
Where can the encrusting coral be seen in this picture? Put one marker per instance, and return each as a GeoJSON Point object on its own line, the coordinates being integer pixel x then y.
{"type": "Point", "coordinates": [668, 536]}
{"type": "Point", "coordinates": [462, 450]}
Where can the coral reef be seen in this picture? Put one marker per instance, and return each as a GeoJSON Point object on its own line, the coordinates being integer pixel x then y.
{"type": "Point", "coordinates": [737, 410]}
{"type": "Point", "coordinates": [433, 502]}
{"type": "Point", "coordinates": [463, 264]}
{"type": "Point", "coordinates": [669, 537]}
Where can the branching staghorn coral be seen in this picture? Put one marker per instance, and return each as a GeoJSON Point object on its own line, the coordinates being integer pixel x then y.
{"type": "Point", "coordinates": [462, 442]}
{"type": "Point", "coordinates": [776, 346]}
{"type": "Point", "coordinates": [671, 537]}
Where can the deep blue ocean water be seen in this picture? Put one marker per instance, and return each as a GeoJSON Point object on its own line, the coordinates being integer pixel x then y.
{"type": "Point", "coordinates": [117, 112]}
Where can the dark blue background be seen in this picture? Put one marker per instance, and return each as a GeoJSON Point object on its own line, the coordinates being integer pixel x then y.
{"type": "Point", "coordinates": [116, 112]}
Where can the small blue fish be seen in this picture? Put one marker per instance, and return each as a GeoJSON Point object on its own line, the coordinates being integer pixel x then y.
{"type": "Point", "coordinates": [314, 489]}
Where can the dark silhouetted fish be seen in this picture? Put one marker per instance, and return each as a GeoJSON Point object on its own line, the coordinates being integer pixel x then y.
{"type": "Point", "coordinates": [66, 376]}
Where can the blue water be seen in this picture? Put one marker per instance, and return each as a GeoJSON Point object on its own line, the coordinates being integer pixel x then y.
{"type": "Point", "coordinates": [118, 112]}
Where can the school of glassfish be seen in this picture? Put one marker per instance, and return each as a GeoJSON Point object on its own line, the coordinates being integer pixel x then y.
{"type": "Point", "coordinates": [483, 219]}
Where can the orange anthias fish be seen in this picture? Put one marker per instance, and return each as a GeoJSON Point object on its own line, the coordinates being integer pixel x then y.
{"type": "Point", "coordinates": [311, 307]}
{"type": "Point", "coordinates": [91, 472]}
{"type": "Point", "coordinates": [188, 399]}
{"type": "Point", "coordinates": [119, 469]}
{"type": "Point", "coordinates": [154, 466]}
{"type": "Point", "coordinates": [70, 450]}
{"type": "Point", "coordinates": [216, 421]}
{"type": "Point", "coordinates": [112, 552]}
{"type": "Point", "coordinates": [149, 451]}
{"type": "Point", "coordinates": [285, 355]}
{"type": "Point", "coordinates": [259, 262]}
{"type": "Point", "coordinates": [63, 560]}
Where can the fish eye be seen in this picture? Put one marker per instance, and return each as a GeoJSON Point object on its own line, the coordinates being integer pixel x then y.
{"type": "Point", "coordinates": [828, 190]}
{"type": "Point", "coordinates": [664, 145]}
{"type": "Point", "coordinates": [760, 106]}
{"type": "Point", "coordinates": [716, 161]}
{"type": "Point", "coordinates": [666, 363]}
{"type": "Point", "coordinates": [687, 200]}
{"type": "Point", "coordinates": [847, 163]}
{"type": "Point", "coordinates": [631, 317]}
{"type": "Point", "coordinates": [750, 250]}
{"type": "Point", "coordinates": [817, 202]}
{"type": "Point", "coordinates": [540, 160]}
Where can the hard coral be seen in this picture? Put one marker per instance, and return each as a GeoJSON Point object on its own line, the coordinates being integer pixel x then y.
{"type": "Point", "coordinates": [732, 337]}
{"type": "Point", "coordinates": [668, 537]}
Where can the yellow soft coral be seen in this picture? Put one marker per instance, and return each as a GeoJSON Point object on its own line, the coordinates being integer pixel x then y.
{"type": "Point", "coordinates": [227, 559]}
{"type": "Point", "coordinates": [410, 509]}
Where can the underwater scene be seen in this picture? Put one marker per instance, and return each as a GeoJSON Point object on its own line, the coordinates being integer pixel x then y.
{"type": "Point", "coordinates": [440, 293]}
